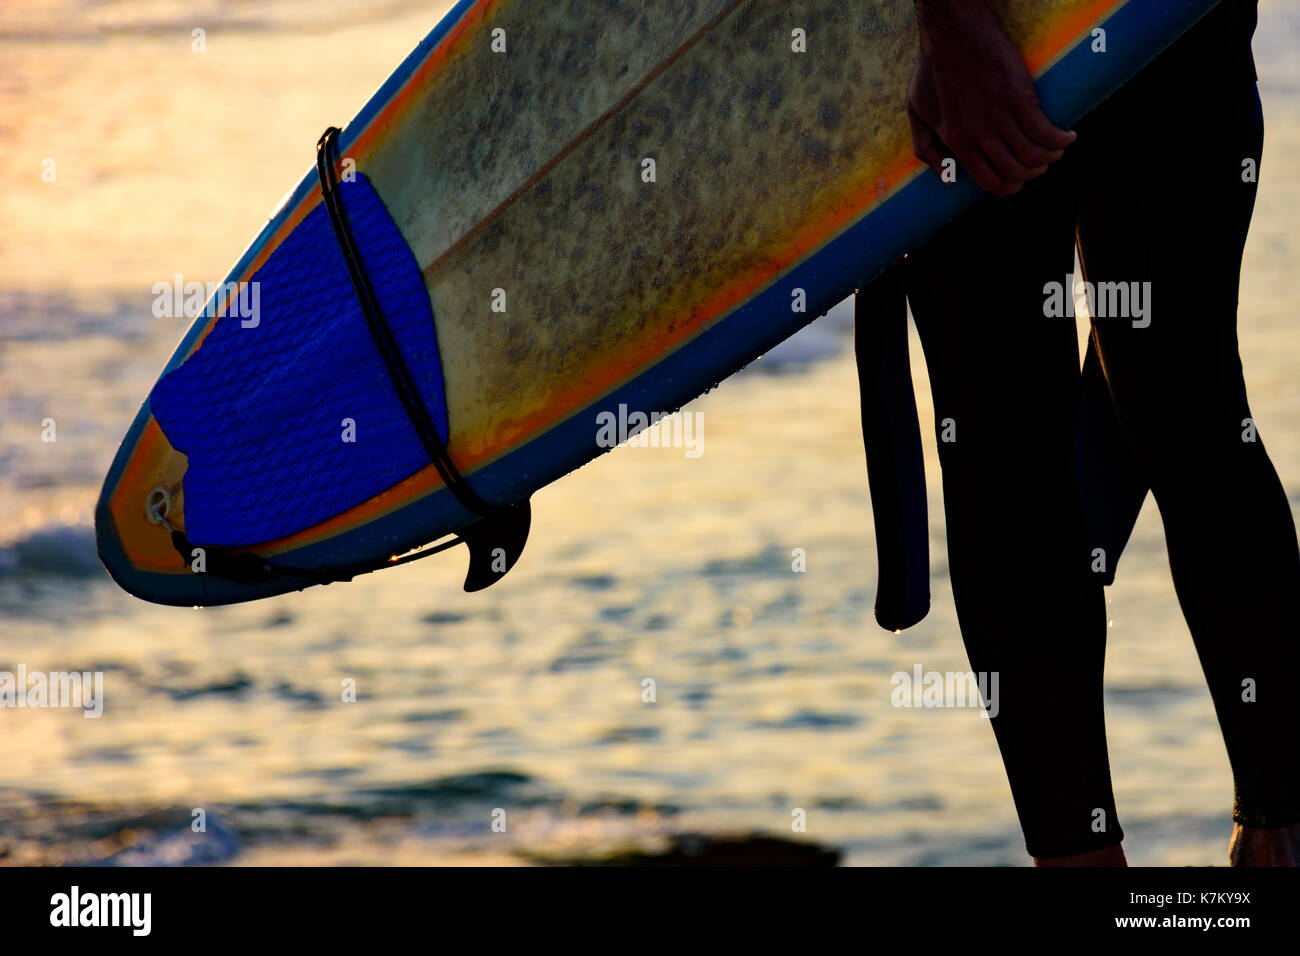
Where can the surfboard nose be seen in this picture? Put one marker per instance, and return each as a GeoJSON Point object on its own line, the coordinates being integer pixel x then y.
{"type": "Point", "coordinates": [179, 589]}
{"type": "Point", "coordinates": [142, 499]}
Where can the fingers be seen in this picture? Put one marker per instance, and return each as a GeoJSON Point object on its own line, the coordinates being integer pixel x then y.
{"type": "Point", "coordinates": [1001, 150]}
{"type": "Point", "coordinates": [1000, 157]}
{"type": "Point", "coordinates": [981, 168]}
{"type": "Point", "coordinates": [929, 149]}
{"type": "Point", "coordinates": [987, 176]}
{"type": "Point", "coordinates": [1008, 165]}
{"type": "Point", "coordinates": [1039, 129]}
{"type": "Point", "coordinates": [1019, 156]}
{"type": "Point", "coordinates": [925, 142]}
{"type": "Point", "coordinates": [1026, 151]}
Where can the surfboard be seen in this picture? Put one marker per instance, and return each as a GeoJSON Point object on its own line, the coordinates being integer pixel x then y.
{"type": "Point", "coordinates": [557, 208]}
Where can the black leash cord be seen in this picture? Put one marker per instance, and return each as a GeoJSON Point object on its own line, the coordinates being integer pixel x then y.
{"type": "Point", "coordinates": [398, 373]}
{"type": "Point", "coordinates": [248, 567]}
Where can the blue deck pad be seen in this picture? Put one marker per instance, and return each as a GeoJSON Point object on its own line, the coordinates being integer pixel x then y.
{"type": "Point", "coordinates": [259, 411]}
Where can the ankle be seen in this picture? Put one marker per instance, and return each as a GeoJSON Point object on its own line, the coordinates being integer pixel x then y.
{"type": "Point", "coordinates": [1263, 846]}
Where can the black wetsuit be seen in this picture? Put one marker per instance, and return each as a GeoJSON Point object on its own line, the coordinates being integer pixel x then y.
{"type": "Point", "coordinates": [1154, 189]}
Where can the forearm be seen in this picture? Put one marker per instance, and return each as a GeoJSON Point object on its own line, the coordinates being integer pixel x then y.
{"type": "Point", "coordinates": [937, 11]}
{"type": "Point", "coordinates": [952, 22]}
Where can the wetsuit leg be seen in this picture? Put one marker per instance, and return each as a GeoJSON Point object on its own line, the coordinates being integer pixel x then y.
{"type": "Point", "coordinates": [1005, 379]}
{"type": "Point", "coordinates": [1167, 200]}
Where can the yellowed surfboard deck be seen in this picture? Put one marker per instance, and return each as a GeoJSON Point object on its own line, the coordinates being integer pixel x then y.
{"type": "Point", "coordinates": [605, 203]}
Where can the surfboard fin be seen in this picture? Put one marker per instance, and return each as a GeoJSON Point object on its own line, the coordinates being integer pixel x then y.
{"type": "Point", "coordinates": [495, 544]}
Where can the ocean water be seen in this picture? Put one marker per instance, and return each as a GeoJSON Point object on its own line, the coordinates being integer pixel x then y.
{"type": "Point", "coordinates": [772, 688]}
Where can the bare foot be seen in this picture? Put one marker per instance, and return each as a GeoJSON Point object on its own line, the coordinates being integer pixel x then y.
{"type": "Point", "coordinates": [1110, 856]}
{"type": "Point", "coordinates": [1260, 846]}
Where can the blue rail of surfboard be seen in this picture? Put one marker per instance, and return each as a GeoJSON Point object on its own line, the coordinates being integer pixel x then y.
{"type": "Point", "coordinates": [1075, 84]}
